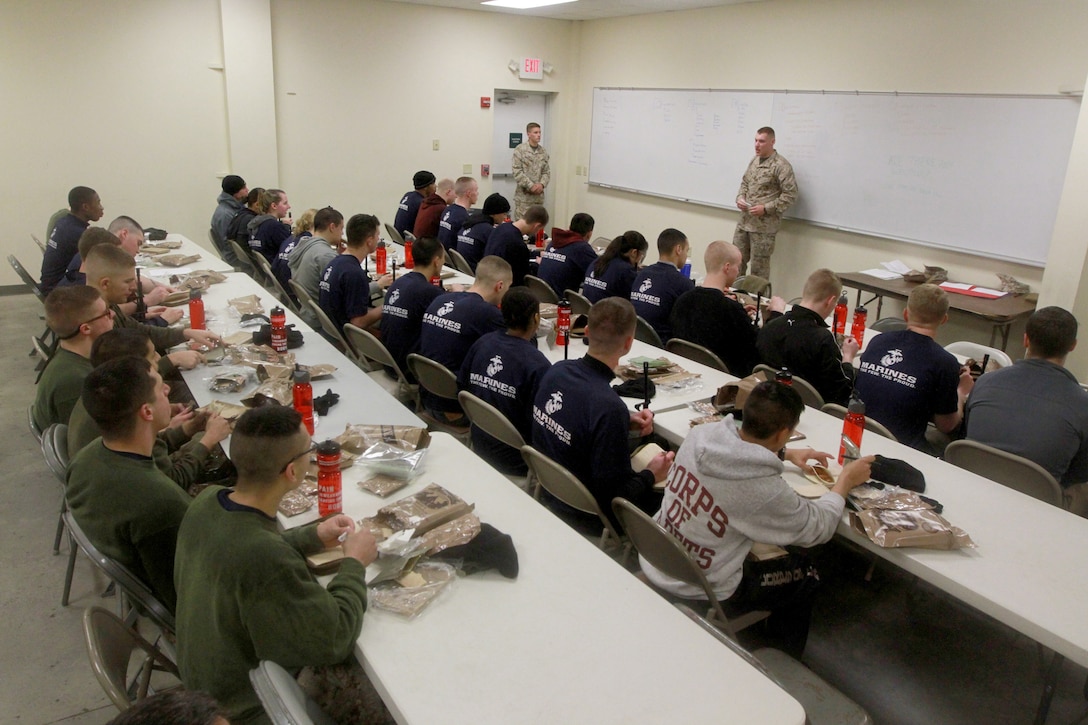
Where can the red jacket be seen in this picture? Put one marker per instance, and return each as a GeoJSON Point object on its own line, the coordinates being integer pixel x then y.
{"type": "Point", "coordinates": [430, 213]}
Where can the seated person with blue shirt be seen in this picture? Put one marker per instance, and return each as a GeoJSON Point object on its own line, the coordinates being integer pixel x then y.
{"type": "Point", "coordinates": [1036, 408]}
{"type": "Point", "coordinates": [614, 271]}
{"type": "Point", "coordinates": [345, 287]}
{"type": "Point", "coordinates": [658, 286]}
{"type": "Point", "coordinates": [267, 230]}
{"type": "Point", "coordinates": [423, 183]}
{"type": "Point", "coordinates": [408, 299]}
{"type": "Point", "coordinates": [508, 241]}
{"type": "Point", "coordinates": [504, 370]}
{"type": "Point", "coordinates": [580, 422]}
{"type": "Point", "coordinates": [84, 207]}
{"type": "Point", "coordinates": [466, 191]}
{"type": "Point", "coordinates": [906, 379]}
{"type": "Point", "coordinates": [564, 264]}
{"type": "Point", "coordinates": [475, 231]}
{"type": "Point", "coordinates": [455, 320]}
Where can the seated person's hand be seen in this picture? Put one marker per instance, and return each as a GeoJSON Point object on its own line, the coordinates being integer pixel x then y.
{"type": "Point", "coordinates": [660, 464]}
{"type": "Point", "coordinates": [642, 422]}
{"type": "Point", "coordinates": [171, 315]}
{"type": "Point", "coordinates": [196, 422]}
{"type": "Point", "coordinates": [800, 457]}
{"type": "Point", "coordinates": [385, 280]}
{"type": "Point", "coordinates": [186, 359]}
{"type": "Point", "coordinates": [156, 296]}
{"type": "Point", "coordinates": [967, 382]}
{"type": "Point", "coordinates": [181, 415]}
{"type": "Point", "coordinates": [216, 430]}
{"type": "Point", "coordinates": [203, 337]}
{"type": "Point", "coordinates": [850, 348]}
{"type": "Point", "coordinates": [853, 475]}
{"type": "Point", "coordinates": [776, 304]}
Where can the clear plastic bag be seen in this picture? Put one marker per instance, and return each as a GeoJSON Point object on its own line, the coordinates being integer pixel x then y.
{"type": "Point", "coordinates": [230, 379]}
{"type": "Point", "coordinates": [411, 593]}
{"type": "Point", "coordinates": [392, 460]}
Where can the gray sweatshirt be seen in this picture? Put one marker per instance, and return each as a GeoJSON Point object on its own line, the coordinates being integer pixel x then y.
{"type": "Point", "coordinates": [722, 494]}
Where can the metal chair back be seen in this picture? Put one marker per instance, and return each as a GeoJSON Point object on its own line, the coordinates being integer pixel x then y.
{"type": "Point", "coordinates": [111, 645]}
{"type": "Point", "coordinates": [394, 235]}
{"type": "Point", "coordinates": [457, 261]}
{"type": "Point", "coordinates": [870, 424]}
{"type": "Point", "coordinates": [645, 332]}
{"type": "Point", "coordinates": [1008, 469]}
{"type": "Point", "coordinates": [245, 257]}
{"type": "Point", "coordinates": [273, 284]}
{"type": "Point", "coordinates": [373, 351]}
{"type": "Point", "coordinates": [335, 335]}
{"type": "Point", "coordinates": [29, 281]}
{"type": "Point", "coordinates": [283, 699]}
{"type": "Point", "coordinates": [541, 290]}
{"type": "Point", "coordinates": [433, 376]}
{"type": "Point", "coordinates": [490, 420]}
{"type": "Point", "coordinates": [889, 324]}
{"type": "Point", "coordinates": [579, 304]}
{"type": "Point", "coordinates": [809, 394]}
{"type": "Point", "coordinates": [698, 353]}
{"type": "Point", "coordinates": [753, 285]}
{"type": "Point", "coordinates": [31, 424]}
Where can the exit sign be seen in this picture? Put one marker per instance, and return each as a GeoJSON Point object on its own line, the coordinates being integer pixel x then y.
{"type": "Point", "coordinates": [532, 69]}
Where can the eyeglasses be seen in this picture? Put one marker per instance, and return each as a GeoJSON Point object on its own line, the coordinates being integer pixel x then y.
{"type": "Point", "coordinates": [73, 333]}
{"type": "Point", "coordinates": [307, 452]}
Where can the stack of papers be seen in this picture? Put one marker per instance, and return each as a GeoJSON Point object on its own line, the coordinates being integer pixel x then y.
{"type": "Point", "coordinates": [972, 290]}
{"type": "Point", "coordinates": [891, 270]}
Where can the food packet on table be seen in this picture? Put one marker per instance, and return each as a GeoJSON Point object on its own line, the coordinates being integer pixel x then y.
{"type": "Point", "coordinates": [412, 592]}
{"type": "Point", "coordinates": [177, 260]}
{"type": "Point", "coordinates": [229, 379]}
{"type": "Point", "coordinates": [272, 390]}
{"type": "Point", "coordinates": [382, 485]}
{"type": "Point", "coordinates": [430, 508]}
{"type": "Point", "coordinates": [900, 528]}
{"type": "Point", "coordinates": [393, 460]}
{"type": "Point", "coordinates": [255, 355]}
{"type": "Point", "coordinates": [225, 410]}
{"type": "Point", "coordinates": [358, 437]}
{"type": "Point", "coordinates": [296, 502]}
{"type": "Point", "coordinates": [248, 305]}
{"type": "Point", "coordinates": [163, 245]}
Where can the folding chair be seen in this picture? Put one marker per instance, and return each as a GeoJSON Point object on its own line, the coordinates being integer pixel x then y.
{"type": "Point", "coordinates": [437, 380]}
{"type": "Point", "coordinates": [579, 304]}
{"type": "Point", "coordinates": [491, 420]}
{"type": "Point", "coordinates": [373, 351]}
{"type": "Point", "coordinates": [889, 324]}
{"type": "Point", "coordinates": [111, 645]}
{"type": "Point", "coordinates": [645, 332]}
{"type": "Point", "coordinates": [39, 243]}
{"type": "Point", "coordinates": [54, 443]}
{"type": "Point", "coordinates": [335, 335]}
{"type": "Point", "coordinates": [565, 486]}
{"type": "Point", "coordinates": [1008, 469]}
{"type": "Point", "coordinates": [245, 259]}
{"type": "Point", "coordinates": [541, 290]}
{"type": "Point", "coordinates": [29, 281]}
{"type": "Point", "coordinates": [870, 424]}
{"type": "Point", "coordinates": [668, 555]}
{"type": "Point", "coordinates": [809, 394]}
{"type": "Point", "coordinates": [283, 699]}
{"type": "Point", "coordinates": [457, 261]}
{"type": "Point", "coordinates": [273, 284]}
{"type": "Point", "coordinates": [698, 353]}
{"type": "Point", "coordinates": [31, 424]}
{"type": "Point", "coordinates": [753, 285]}
{"type": "Point", "coordinates": [978, 352]}
{"type": "Point", "coordinates": [394, 235]}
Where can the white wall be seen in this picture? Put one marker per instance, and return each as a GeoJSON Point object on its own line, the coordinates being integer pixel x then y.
{"type": "Point", "coordinates": [977, 46]}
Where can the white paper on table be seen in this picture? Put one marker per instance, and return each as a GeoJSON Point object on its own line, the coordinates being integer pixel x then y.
{"type": "Point", "coordinates": [166, 271]}
{"type": "Point", "coordinates": [895, 266]}
{"type": "Point", "coordinates": [881, 273]}
{"type": "Point", "coordinates": [988, 291]}
{"type": "Point", "coordinates": [956, 286]}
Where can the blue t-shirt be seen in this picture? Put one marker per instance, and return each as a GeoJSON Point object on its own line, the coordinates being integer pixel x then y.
{"type": "Point", "coordinates": [280, 268]}
{"type": "Point", "coordinates": [472, 241]}
{"type": "Point", "coordinates": [344, 290]}
{"type": "Point", "coordinates": [62, 246]}
{"type": "Point", "coordinates": [402, 315]}
{"type": "Point", "coordinates": [452, 322]}
{"type": "Point", "coordinates": [906, 378]}
{"type": "Point", "coordinates": [565, 267]}
{"type": "Point", "coordinates": [508, 242]}
{"type": "Point", "coordinates": [653, 293]}
{"type": "Point", "coordinates": [268, 237]}
{"type": "Point", "coordinates": [407, 210]}
{"type": "Point", "coordinates": [619, 275]}
{"type": "Point", "coordinates": [580, 422]}
{"type": "Point", "coordinates": [504, 370]}
{"type": "Point", "coordinates": [449, 224]}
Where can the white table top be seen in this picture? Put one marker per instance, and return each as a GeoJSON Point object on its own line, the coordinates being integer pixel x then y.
{"type": "Point", "coordinates": [208, 259]}
{"type": "Point", "coordinates": [575, 638]}
{"type": "Point", "coordinates": [1027, 571]}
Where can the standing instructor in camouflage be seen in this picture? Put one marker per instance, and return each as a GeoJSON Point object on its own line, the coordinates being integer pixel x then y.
{"type": "Point", "coordinates": [766, 191]}
{"type": "Point", "coordinates": [531, 171]}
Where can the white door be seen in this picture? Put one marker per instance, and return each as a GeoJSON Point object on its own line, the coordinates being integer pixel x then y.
{"type": "Point", "coordinates": [512, 110]}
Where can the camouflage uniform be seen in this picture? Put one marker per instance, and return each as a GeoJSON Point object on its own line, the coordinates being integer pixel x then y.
{"type": "Point", "coordinates": [770, 182]}
{"type": "Point", "coordinates": [530, 167]}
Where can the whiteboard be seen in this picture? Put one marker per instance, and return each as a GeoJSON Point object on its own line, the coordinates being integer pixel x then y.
{"type": "Point", "coordinates": [975, 174]}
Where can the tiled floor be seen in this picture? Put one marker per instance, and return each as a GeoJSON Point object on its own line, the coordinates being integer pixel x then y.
{"type": "Point", "coordinates": [906, 653]}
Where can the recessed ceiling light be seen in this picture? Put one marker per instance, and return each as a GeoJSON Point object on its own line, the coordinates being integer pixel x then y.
{"type": "Point", "coordinates": [525, 4]}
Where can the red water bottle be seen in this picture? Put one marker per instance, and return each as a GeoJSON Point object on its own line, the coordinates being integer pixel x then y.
{"type": "Point", "coordinates": [562, 323]}
{"type": "Point", "coordinates": [196, 310]}
{"type": "Point", "coordinates": [539, 238]}
{"type": "Point", "coordinates": [784, 376]}
{"type": "Point", "coordinates": [842, 309]}
{"type": "Point", "coordinates": [303, 397]}
{"type": "Point", "coordinates": [436, 281]}
{"type": "Point", "coordinates": [330, 499]}
{"type": "Point", "coordinates": [380, 259]}
{"type": "Point", "coordinates": [409, 263]}
{"type": "Point", "coordinates": [852, 428]}
{"type": "Point", "coordinates": [857, 329]}
{"type": "Point", "coordinates": [279, 330]}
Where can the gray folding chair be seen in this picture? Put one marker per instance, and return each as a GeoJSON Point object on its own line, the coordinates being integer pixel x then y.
{"type": "Point", "coordinates": [39, 243]}
{"type": "Point", "coordinates": [645, 332]}
{"type": "Point", "coordinates": [54, 443]}
{"type": "Point", "coordinates": [34, 429]}
{"type": "Point", "coordinates": [579, 305]}
{"type": "Point", "coordinates": [111, 645]}
{"type": "Point", "coordinates": [698, 353]}
{"type": "Point", "coordinates": [809, 394]}
{"type": "Point", "coordinates": [456, 260]}
{"type": "Point", "coordinates": [1008, 469]}
{"type": "Point", "coordinates": [373, 351]}
{"type": "Point", "coordinates": [668, 556]}
{"type": "Point", "coordinates": [889, 324]}
{"type": "Point", "coordinates": [437, 380]}
{"type": "Point", "coordinates": [394, 235]}
{"type": "Point", "coordinates": [870, 424]}
{"type": "Point", "coordinates": [823, 704]}
{"type": "Point", "coordinates": [245, 259]}
{"type": "Point", "coordinates": [565, 486]}
{"type": "Point", "coordinates": [600, 244]}
{"type": "Point", "coordinates": [541, 290]}
{"type": "Point", "coordinates": [272, 284]}
{"type": "Point", "coordinates": [29, 281]}
{"type": "Point", "coordinates": [490, 420]}
{"type": "Point", "coordinates": [136, 597]}
{"type": "Point", "coordinates": [283, 699]}
{"type": "Point", "coordinates": [44, 353]}
{"type": "Point", "coordinates": [753, 285]}
{"type": "Point", "coordinates": [334, 334]}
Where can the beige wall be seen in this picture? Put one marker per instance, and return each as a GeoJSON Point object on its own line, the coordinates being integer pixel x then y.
{"type": "Point", "coordinates": [118, 94]}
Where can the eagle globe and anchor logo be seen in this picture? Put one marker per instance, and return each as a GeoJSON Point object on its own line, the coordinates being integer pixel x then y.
{"type": "Point", "coordinates": [555, 403]}
{"type": "Point", "coordinates": [394, 296]}
{"type": "Point", "coordinates": [646, 284]}
{"type": "Point", "coordinates": [495, 366]}
{"type": "Point", "coordinates": [892, 357]}
{"type": "Point", "coordinates": [445, 309]}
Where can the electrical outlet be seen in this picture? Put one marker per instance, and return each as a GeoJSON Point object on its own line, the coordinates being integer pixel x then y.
{"type": "Point", "coordinates": [434, 145]}
{"type": "Point", "coordinates": [466, 169]}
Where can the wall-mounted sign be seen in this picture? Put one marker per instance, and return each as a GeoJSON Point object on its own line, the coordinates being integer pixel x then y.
{"type": "Point", "coordinates": [515, 139]}
{"type": "Point", "coordinates": [531, 69]}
